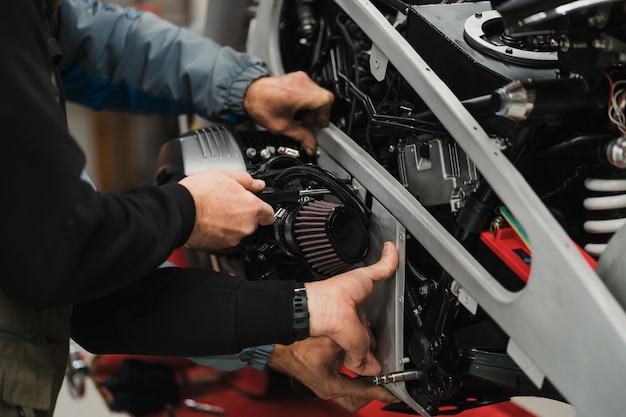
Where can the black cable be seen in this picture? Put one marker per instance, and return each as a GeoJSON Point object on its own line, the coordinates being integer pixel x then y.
{"type": "Point", "coordinates": [574, 142]}
{"type": "Point", "coordinates": [408, 123]}
{"type": "Point", "coordinates": [330, 182]}
{"type": "Point", "coordinates": [397, 5]}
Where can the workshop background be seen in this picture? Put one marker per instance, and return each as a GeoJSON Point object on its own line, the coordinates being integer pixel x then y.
{"type": "Point", "coordinates": [121, 152]}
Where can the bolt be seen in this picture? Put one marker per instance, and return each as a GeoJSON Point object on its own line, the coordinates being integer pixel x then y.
{"type": "Point", "coordinates": [564, 44]}
{"type": "Point", "coordinates": [478, 15]}
{"type": "Point", "coordinates": [436, 346]}
{"type": "Point", "coordinates": [423, 290]}
{"type": "Point", "coordinates": [599, 20]}
{"type": "Point", "coordinates": [250, 153]}
{"type": "Point", "coordinates": [433, 390]}
{"type": "Point", "coordinates": [616, 153]}
{"type": "Point", "coordinates": [265, 153]}
{"type": "Point", "coordinates": [601, 44]}
{"type": "Point", "coordinates": [501, 143]}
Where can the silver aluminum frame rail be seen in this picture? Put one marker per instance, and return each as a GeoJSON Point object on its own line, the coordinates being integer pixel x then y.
{"type": "Point", "coordinates": [564, 324]}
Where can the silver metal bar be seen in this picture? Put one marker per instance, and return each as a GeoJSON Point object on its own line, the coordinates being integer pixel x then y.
{"type": "Point", "coordinates": [395, 377]}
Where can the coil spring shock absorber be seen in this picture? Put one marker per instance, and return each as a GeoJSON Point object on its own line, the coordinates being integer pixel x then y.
{"type": "Point", "coordinates": [607, 209]}
{"type": "Point", "coordinates": [607, 203]}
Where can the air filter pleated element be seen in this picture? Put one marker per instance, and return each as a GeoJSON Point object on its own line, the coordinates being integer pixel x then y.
{"type": "Point", "coordinates": [331, 237]}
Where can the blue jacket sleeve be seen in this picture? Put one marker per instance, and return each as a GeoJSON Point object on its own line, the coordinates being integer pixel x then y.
{"type": "Point", "coordinates": [119, 58]}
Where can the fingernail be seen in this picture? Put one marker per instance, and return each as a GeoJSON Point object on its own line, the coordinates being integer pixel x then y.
{"type": "Point", "coordinates": [387, 248]}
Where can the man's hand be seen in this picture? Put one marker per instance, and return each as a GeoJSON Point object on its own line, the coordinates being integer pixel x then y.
{"type": "Point", "coordinates": [226, 208]}
{"type": "Point", "coordinates": [315, 362]}
{"type": "Point", "coordinates": [334, 310]}
{"type": "Point", "coordinates": [275, 103]}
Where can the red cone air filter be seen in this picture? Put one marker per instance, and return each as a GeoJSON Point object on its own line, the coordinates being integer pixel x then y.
{"type": "Point", "coordinates": [330, 237]}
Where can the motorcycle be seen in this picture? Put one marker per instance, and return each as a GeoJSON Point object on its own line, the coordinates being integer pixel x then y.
{"type": "Point", "coordinates": [486, 139]}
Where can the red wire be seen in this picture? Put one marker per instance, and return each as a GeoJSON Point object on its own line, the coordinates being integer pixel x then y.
{"type": "Point", "coordinates": [610, 102]}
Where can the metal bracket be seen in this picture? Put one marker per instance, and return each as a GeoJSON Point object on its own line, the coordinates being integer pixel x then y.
{"type": "Point", "coordinates": [378, 63]}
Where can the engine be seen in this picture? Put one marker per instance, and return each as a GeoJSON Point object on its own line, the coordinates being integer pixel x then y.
{"type": "Point", "coordinates": [320, 225]}
{"type": "Point", "coordinates": [566, 146]}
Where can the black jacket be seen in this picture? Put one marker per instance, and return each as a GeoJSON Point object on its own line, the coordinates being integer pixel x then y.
{"type": "Point", "coordinates": [65, 243]}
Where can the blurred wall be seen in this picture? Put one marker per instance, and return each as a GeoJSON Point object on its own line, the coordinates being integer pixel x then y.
{"type": "Point", "coordinates": [122, 149]}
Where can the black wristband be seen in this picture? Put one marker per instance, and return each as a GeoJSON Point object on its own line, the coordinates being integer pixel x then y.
{"type": "Point", "coordinates": [300, 313]}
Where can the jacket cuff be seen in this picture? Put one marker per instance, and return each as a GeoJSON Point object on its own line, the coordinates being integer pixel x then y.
{"type": "Point", "coordinates": [257, 357]}
{"type": "Point", "coordinates": [186, 207]}
{"type": "Point", "coordinates": [234, 111]}
{"type": "Point", "coordinates": [273, 323]}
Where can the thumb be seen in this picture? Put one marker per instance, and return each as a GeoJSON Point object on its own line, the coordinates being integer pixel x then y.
{"type": "Point", "coordinates": [266, 214]}
{"type": "Point", "coordinates": [246, 181]}
{"type": "Point", "coordinates": [256, 186]}
{"type": "Point", "coordinates": [385, 267]}
{"type": "Point", "coordinates": [365, 277]}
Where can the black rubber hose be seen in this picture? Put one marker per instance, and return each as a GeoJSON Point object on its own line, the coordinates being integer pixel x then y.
{"type": "Point", "coordinates": [328, 180]}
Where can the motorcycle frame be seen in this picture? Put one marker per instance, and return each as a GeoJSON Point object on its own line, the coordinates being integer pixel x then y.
{"type": "Point", "coordinates": [564, 325]}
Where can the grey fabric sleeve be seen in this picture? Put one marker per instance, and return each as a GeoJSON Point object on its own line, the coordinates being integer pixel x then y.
{"type": "Point", "coordinates": [257, 357]}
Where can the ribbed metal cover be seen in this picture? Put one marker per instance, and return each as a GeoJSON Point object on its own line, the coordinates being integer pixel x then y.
{"type": "Point", "coordinates": [210, 149]}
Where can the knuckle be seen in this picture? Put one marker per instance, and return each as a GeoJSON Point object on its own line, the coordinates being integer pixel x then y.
{"type": "Point", "coordinates": [301, 74]}
{"type": "Point", "coordinates": [249, 224]}
{"type": "Point", "coordinates": [248, 229]}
